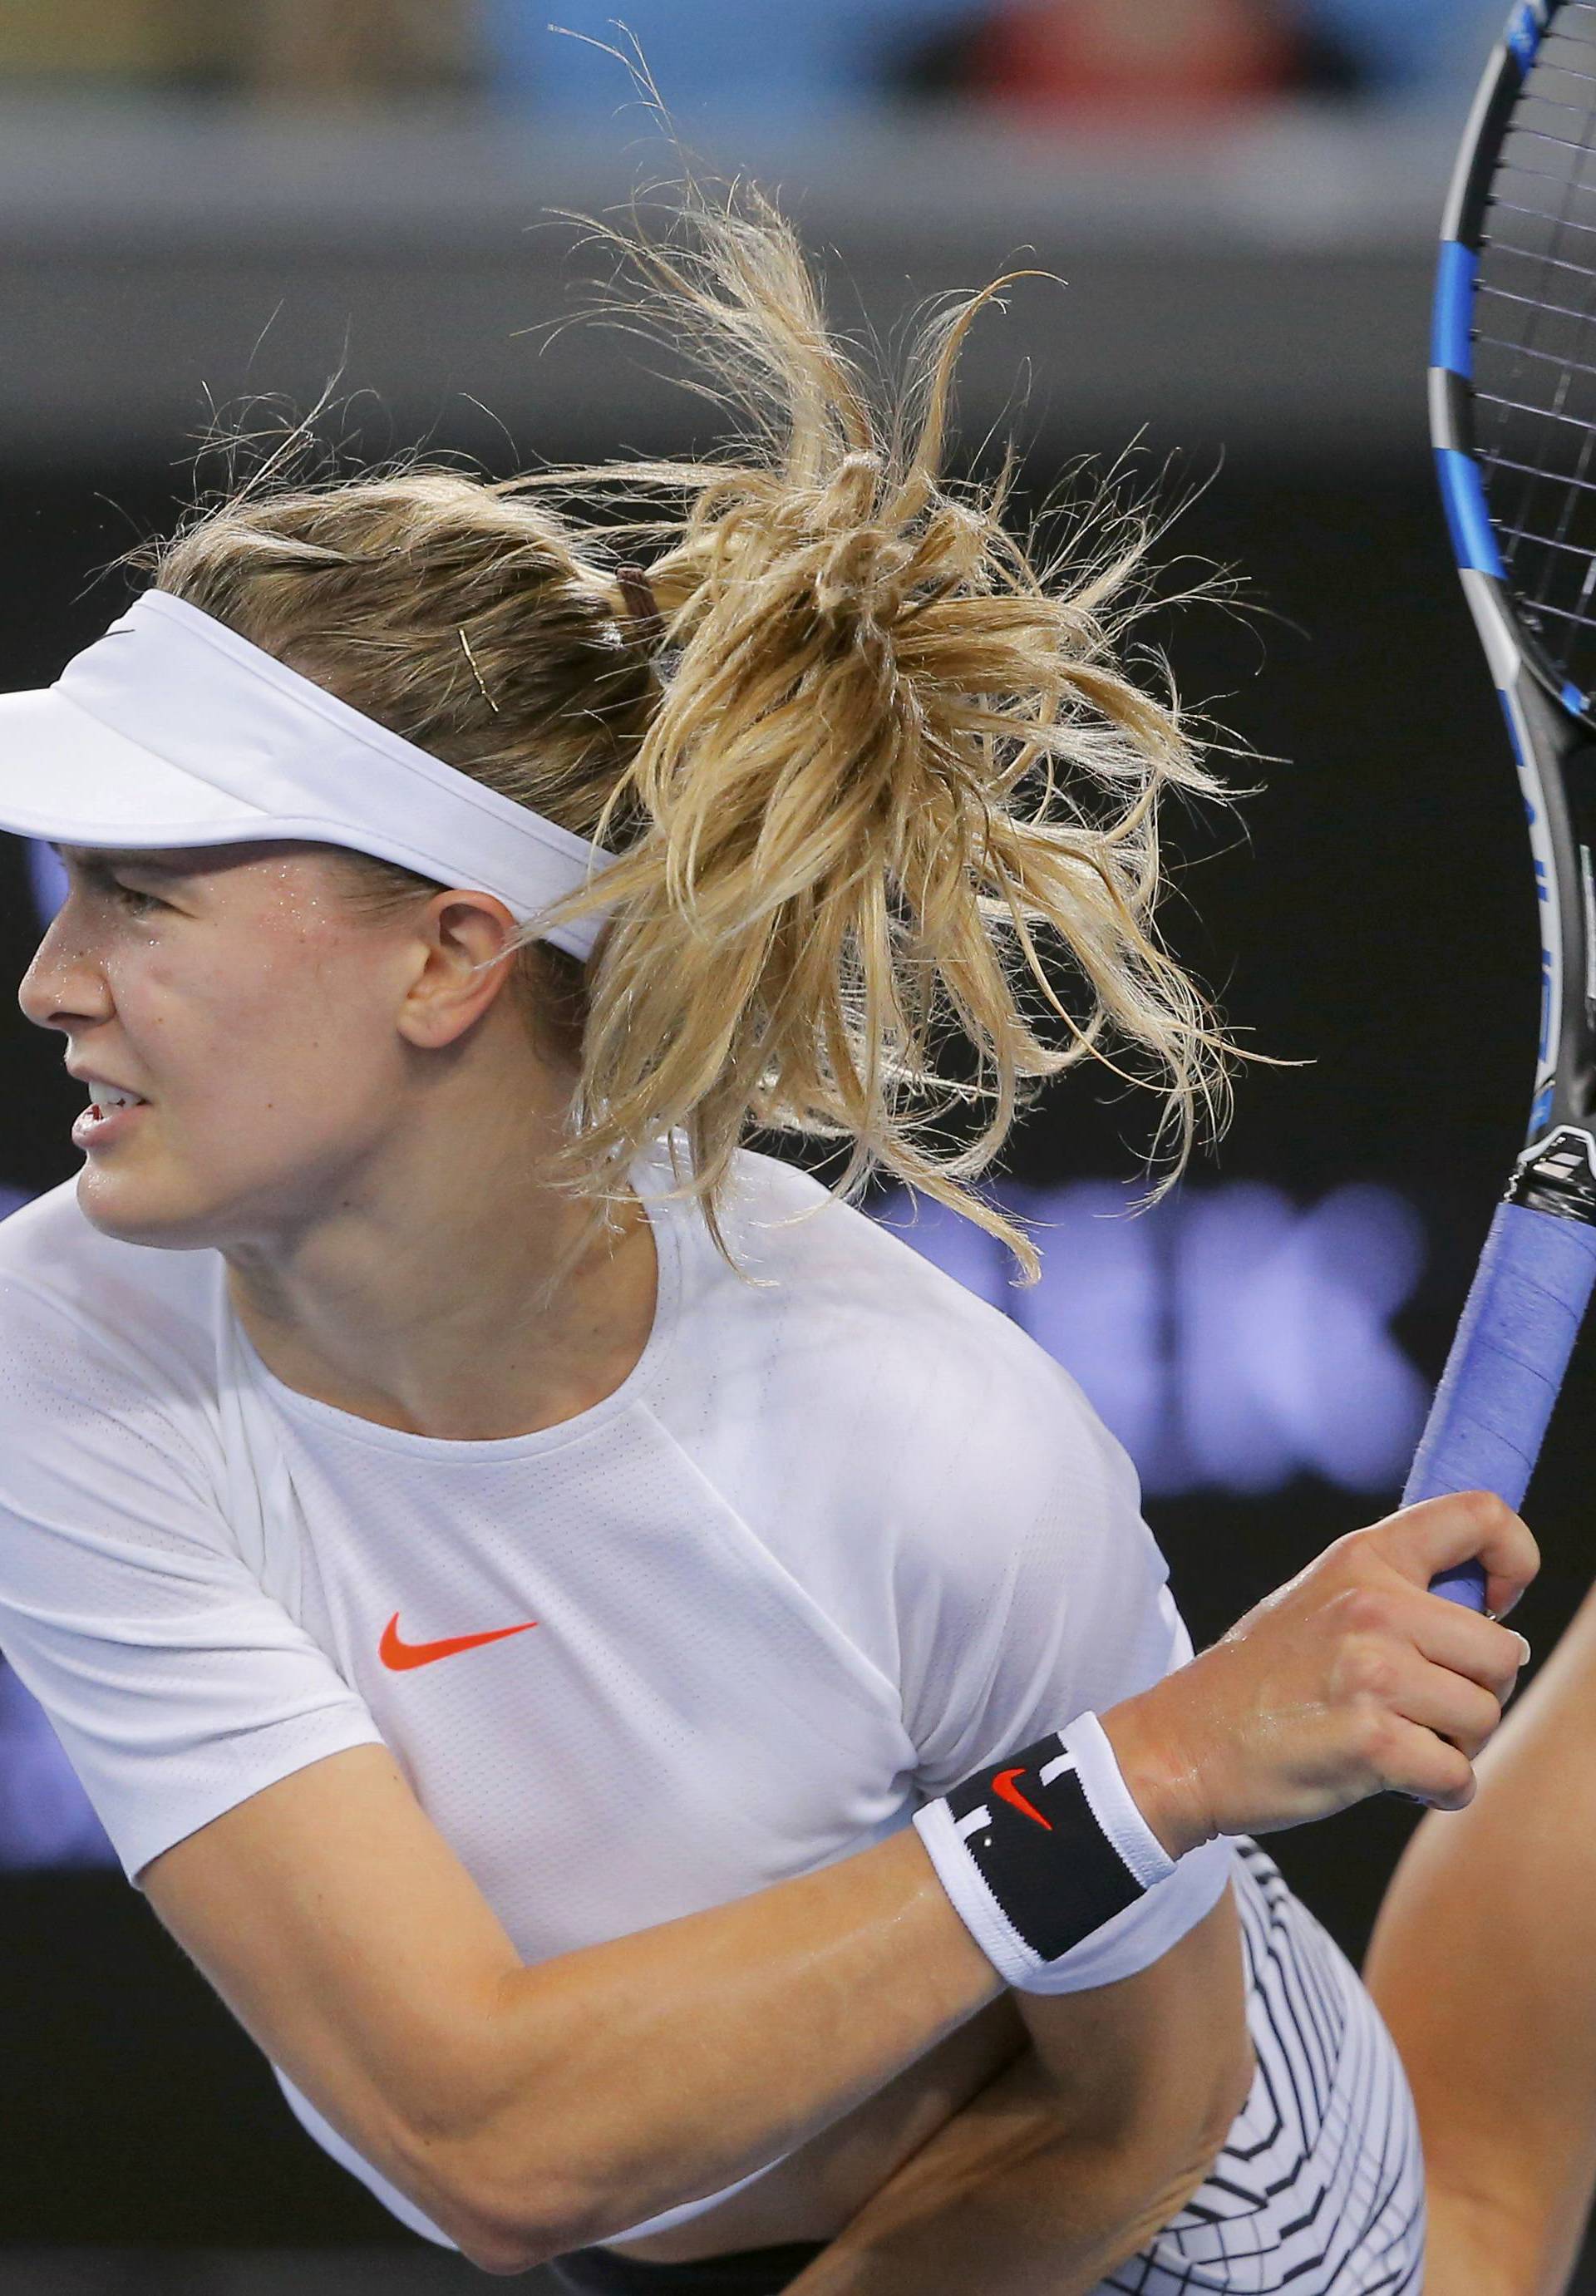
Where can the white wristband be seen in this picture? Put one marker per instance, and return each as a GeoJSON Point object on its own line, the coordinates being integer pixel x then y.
{"type": "Point", "coordinates": [1103, 1783]}
{"type": "Point", "coordinates": [1039, 1852]}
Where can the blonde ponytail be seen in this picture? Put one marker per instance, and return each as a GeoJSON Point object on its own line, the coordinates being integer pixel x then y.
{"type": "Point", "coordinates": [892, 758]}
{"type": "Point", "coordinates": [885, 775]}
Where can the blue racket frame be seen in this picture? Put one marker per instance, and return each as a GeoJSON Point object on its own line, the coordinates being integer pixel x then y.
{"type": "Point", "coordinates": [1536, 1273]}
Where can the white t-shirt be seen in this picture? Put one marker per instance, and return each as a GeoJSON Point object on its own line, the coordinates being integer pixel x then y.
{"type": "Point", "coordinates": [845, 1535]}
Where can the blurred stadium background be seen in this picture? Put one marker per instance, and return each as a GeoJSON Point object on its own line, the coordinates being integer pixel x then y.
{"type": "Point", "coordinates": [218, 205]}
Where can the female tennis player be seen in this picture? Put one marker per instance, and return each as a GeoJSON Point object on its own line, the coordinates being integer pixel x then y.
{"type": "Point", "coordinates": [656, 1710]}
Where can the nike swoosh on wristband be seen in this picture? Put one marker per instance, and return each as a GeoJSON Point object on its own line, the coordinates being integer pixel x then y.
{"type": "Point", "coordinates": [398, 1654]}
{"type": "Point", "coordinates": [1004, 1785]}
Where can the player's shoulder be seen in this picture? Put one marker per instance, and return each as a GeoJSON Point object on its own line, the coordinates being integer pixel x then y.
{"type": "Point", "coordinates": [835, 1264]}
{"type": "Point", "coordinates": [907, 1449]}
{"type": "Point", "coordinates": [852, 1316]}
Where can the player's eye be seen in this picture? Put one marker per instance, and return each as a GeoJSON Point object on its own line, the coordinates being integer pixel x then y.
{"type": "Point", "coordinates": [136, 903]}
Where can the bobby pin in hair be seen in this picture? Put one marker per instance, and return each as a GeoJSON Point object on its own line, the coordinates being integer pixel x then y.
{"type": "Point", "coordinates": [477, 674]}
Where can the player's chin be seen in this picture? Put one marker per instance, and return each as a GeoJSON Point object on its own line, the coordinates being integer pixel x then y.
{"type": "Point", "coordinates": [152, 1207]}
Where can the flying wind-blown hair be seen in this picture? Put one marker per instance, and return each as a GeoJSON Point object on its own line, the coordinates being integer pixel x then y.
{"type": "Point", "coordinates": [881, 779]}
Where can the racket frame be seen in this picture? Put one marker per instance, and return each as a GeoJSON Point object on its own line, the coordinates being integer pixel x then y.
{"type": "Point", "coordinates": [1538, 1268]}
{"type": "Point", "coordinates": [1548, 718]}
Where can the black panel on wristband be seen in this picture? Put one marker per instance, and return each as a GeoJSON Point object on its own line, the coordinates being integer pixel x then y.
{"type": "Point", "coordinates": [1041, 1852]}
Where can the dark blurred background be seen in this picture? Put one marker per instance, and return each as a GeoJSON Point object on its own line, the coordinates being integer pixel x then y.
{"type": "Point", "coordinates": [214, 208]}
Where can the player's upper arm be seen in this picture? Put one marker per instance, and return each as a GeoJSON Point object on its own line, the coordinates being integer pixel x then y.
{"type": "Point", "coordinates": [1157, 2066]}
{"type": "Point", "coordinates": [176, 1683]}
{"type": "Point", "coordinates": [1042, 1594]}
{"type": "Point", "coordinates": [241, 1777]}
{"type": "Point", "coordinates": [348, 1939]}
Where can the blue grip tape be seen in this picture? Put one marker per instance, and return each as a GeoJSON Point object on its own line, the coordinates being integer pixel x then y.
{"type": "Point", "coordinates": [1506, 1363]}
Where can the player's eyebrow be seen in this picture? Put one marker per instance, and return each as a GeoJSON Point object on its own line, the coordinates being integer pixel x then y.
{"type": "Point", "coordinates": [105, 857]}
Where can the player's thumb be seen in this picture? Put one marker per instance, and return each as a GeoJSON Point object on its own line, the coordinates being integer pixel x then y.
{"type": "Point", "coordinates": [1464, 1527]}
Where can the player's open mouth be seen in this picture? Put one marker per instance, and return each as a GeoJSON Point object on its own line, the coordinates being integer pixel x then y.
{"type": "Point", "coordinates": [101, 1122]}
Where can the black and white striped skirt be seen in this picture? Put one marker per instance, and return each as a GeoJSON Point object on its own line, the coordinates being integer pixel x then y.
{"type": "Point", "coordinates": [1320, 2185]}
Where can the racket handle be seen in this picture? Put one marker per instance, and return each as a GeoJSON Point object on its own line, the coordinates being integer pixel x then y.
{"type": "Point", "coordinates": [1507, 1364]}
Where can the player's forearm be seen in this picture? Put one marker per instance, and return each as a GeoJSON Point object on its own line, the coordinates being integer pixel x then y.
{"type": "Point", "coordinates": [1484, 1965]}
{"type": "Point", "coordinates": [1009, 2200]}
{"type": "Point", "coordinates": [540, 2109]}
{"type": "Point", "coordinates": [625, 2079]}
{"type": "Point", "coordinates": [629, 2077]}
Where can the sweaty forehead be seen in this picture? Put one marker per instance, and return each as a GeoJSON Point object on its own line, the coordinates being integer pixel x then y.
{"type": "Point", "coordinates": [169, 860]}
{"type": "Point", "coordinates": [165, 860]}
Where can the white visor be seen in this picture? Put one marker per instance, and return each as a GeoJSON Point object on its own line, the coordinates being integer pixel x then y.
{"type": "Point", "coordinates": [172, 730]}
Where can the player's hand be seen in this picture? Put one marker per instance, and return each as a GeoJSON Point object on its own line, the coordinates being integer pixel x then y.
{"type": "Point", "coordinates": [1352, 1680]}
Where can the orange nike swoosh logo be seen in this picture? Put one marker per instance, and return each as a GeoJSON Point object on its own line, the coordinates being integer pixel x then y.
{"type": "Point", "coordinates": [1004, 1785]}
{"type": "Point", "coordinates": [399, 1655]}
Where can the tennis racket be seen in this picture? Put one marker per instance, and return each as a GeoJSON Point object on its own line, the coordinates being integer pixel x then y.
{"type": "Point", "coordinates": [1513, 414]}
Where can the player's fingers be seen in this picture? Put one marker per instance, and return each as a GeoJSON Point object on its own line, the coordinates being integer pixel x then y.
{"type": "Point", "coordinates": [1503, 1594]}
{"type": "Point", "coordinates": [1462, 1641]}
{"type": "Point", "coordinates": [1455, 1708]}
{"type": "Point", "coordinates": [1414, 1761]}
{"type": "Point", "coordinates": [1461, 1526]}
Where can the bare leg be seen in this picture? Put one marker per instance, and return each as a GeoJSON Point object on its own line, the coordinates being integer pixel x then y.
{"type": "Point", "coordinates": [1484, 1965]}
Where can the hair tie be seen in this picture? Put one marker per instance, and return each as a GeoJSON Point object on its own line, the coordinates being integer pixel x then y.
{"type": "Point", "coordinates": [642, 608]}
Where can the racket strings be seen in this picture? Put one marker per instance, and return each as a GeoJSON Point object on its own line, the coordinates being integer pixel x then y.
{"type": "Point", "coordinates": [1589, 485]}
{"type": "Point", "coordinates": [1506, 295]}
{"type": "Point", "coordinates": [1539, 215]}
{"type": "Point", "coordinates": [1538, 469]}
{"type": "Point", "coordinates": [1533, 351]}
{"type": "Point", "coordinates": [1544, 542]}
{"type": "Point", "coordinates": [1580, 622]}
{"type": "Point", "coordinates": [1534, 337]}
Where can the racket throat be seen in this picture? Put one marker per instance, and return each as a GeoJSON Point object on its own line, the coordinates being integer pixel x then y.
{"type": "Point", "coordinates": [1558, 1175]}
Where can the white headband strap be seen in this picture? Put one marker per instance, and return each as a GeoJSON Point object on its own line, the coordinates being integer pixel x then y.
{"type": "Point", "coordinates": [300, 763]}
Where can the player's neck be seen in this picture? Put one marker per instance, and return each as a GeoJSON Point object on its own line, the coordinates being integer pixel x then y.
{"type": "Point", "coordinates": [464, 1377]}
{"type": "Point", "coordinates": [458, 1297]}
